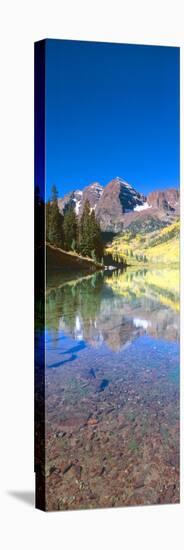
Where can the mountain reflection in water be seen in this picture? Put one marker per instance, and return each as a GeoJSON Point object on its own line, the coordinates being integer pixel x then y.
{"type": "Point", "coordinates": [116, 308]}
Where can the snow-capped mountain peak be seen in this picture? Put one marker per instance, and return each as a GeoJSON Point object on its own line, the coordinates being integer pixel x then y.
{"type": "Point", "coordinates": [118, 203]}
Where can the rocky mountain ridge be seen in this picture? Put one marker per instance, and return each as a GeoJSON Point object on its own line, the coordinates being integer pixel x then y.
{"type": "Point", "coordinates": [118, 204]}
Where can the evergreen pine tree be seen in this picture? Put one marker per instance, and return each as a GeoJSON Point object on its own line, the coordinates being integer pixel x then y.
{"type": "Point", "coordinates": [70, 228]}
{"type": "Point", "coordinates": [96, 238]}
{"type": "Point", "coordinates": [55, 221]}
{"type": "Point", "coordinates": [90, 240]}
{"type": "Point", "coordinates": [85, 243]}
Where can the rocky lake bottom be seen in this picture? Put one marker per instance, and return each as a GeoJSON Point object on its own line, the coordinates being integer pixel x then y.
{"type": "Point", "coordinates": [112, 392]}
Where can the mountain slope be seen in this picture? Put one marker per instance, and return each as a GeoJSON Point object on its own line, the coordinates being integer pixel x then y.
{"type": "Point", "coordinates": [160, 246]}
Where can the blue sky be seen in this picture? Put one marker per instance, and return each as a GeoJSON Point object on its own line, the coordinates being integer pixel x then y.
{"type": "Point", "coordinates": [111, 110]}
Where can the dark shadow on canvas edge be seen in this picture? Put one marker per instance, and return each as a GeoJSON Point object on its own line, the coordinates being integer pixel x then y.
{"type": "Point", "coordinates": [28, 497]}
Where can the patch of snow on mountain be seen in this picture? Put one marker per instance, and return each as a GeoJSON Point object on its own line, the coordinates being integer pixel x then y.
{"type": "Point", "coordinates": [140, 207]}
{"type": "Point", "coordinates": [97, 187]}
{"type": "Point", "coordinates": [125, 183]}
{"type": "Point", "coordinates": [77, 206]}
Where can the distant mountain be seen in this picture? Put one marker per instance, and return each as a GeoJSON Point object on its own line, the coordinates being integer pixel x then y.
{"type": "Point", "coordinates": [166, 200]}
{"type": "Point", "coordinates": [117, 199]}
{"type": "Point", "coordinates": [74, 198]}
{"type": "Point", "coordinates": [118, 205]}
{"type": "Point", "coordinates": [92, 193]}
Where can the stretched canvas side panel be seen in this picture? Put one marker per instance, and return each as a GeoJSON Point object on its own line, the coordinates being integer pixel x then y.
{"type": "Point", "coordinates": [39, 181]}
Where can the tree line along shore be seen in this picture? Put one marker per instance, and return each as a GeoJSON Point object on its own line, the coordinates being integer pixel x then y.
{"type": "Point", "coordinates": [70, 233]}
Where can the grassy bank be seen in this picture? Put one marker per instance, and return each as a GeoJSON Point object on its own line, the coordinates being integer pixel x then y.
{"type": "Point", "coordinates": [68, 264]}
